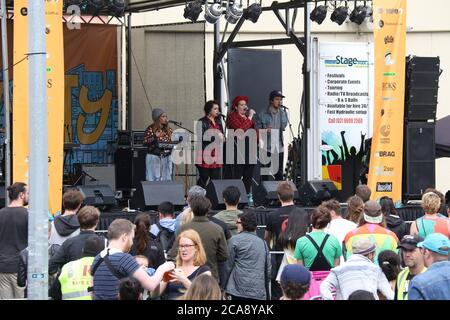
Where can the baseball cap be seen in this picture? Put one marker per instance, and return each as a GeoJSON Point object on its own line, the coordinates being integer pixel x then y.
{"type": "Point", "coordinates": [295, 273]}
{"type": "Point", "coordinates": [436, 242]}
{"type": "Point", "coordinates": [275, 93]}
{"type": "Point", "coordinates": [372, 212]}
{"type": "Point", "coordinates": [363, 246]}
{"type": "Point", "coordinates": [409, 242]}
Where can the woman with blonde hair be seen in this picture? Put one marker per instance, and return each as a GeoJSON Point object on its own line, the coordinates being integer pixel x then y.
{"type": "Point", "coordinates": [190, 263]}
{"type": "Point", "coordinates": [432, 221]}
{"type": "Point", "coordinates": [355, 209]}
{"type": "Point", "coordinates": [204, 287]}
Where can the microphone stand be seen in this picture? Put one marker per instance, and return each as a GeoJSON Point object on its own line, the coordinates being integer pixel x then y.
{"type": "Point", "coordinates": [186, 184]}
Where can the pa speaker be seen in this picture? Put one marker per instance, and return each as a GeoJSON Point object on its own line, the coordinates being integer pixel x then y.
{"type": "Point", "coordinates": [266, 194]}
{"type": "Point", "coordinates": [215, 189]}
{"type": "Point", "coordinates": [149, 194]}
{"type": "Point", "coordinates": [130, 167]}
{"type": "Point", "coordinates": [98, 195]}
{"type": "Point", "coordinates": [99, 174]}
{"type": "Point", "coordinates": [314, 192]}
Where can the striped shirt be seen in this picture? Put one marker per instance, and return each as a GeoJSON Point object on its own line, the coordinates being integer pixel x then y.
{"type": "Point", "coordinates": [106, 285]}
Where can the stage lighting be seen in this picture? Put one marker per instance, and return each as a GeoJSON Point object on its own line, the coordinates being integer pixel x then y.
{"type": "Point", "coordinates": [117, 7]}
{"type": "Point", "coordinates": [318, 14]}
{"type": "Point", "coordinates": [234, 13]}
{"type": "Point", "coordinates": [253, 12]}
{"type": "Point", "coordinates": [193, 10]}
{"type": "Point", "coordinates": [213, 13]}
{"type": "Point", "coordinates": [359, 14]}
{"type": "Point", "coordinates": [339, 15]}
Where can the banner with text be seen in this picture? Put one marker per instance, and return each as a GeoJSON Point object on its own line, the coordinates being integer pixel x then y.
{"type": "Point", "coordinates": [386, 159]}
{"type": "Point", "coordinates": [345, 104]}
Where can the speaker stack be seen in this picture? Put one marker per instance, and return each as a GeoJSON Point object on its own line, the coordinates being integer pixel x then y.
{"type": "Point", "coordinates": [266, 194]}
{"type": "Point", "coordinates": [150, 194]}
{"type": "Point", "coordinates": [314, 192]}
{"type": "Point", "coordinates": [421, 98]}
{"type": "Point", "coordinates": [215, 189]}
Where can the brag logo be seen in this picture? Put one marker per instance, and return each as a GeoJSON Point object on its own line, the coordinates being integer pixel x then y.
{"type": "Point", "coordinates": [385, 154]}
{"type": "Point", "coordinates": [384, 187]}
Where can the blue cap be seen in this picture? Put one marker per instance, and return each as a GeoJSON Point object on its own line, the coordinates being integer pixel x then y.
{"type": "Point", "coordinates": [275, 93]}
{"type": "Point", "coordinates": [436, 242]}
{"type": "Point", "coordinates": [295, 273]}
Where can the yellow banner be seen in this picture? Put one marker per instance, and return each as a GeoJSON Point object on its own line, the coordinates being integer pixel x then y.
{"type": "Point", "coordinates": [55, 97]}
{"type": "Point", "coordinates": [386, 158]}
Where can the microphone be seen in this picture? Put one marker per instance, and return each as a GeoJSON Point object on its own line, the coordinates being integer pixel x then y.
{"type": "Point", "coordinates": [285, 107]}
{"type": "Point", "coordinates": [175, 122]}
{"type": "Point", "coordinates": [221, 115]}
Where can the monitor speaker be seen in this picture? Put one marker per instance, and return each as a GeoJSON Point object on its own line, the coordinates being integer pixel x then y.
{"type": "Point", "coordinates": [149, 194]}
{"type": "Point", "coordinates": [266, 194]}
{"type": "Point", "coordinates": [314, 192]}
{"type": "Point", "coordinates": [98, 195]}
{"type": "Point", "coordinates": [215, 189]}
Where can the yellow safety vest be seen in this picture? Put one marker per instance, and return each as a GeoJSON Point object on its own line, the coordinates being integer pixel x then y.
{"type": "Point", "coordinates": [75, 278]}
{"type": "Point", "coordinates": [403, 284]}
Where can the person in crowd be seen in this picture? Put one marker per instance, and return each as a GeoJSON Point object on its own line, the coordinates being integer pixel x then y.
{"type": "Point", "coordinates": [210, 161]}
{"type": "Point", "coordinates": [296, 227]}
{"type": "Point", "coordinates": [248, 266]}
{"type": "Point", "coordinates": [204, 287]}
{"type": "Point", "coordinates": [130, 289]}
{"type": "Point", "coordinates": [72, 249]}
{"type": "Point", "coordinates": [294, 281]}
{"type": "Point", "coordinates": [361, 295]}
{"type": "Point", "coordinates": [274, 225]}
{"type": "Point", "coordinates": [242, 118]}
{"type": "Point", "coordinates": [115, 263]}
{"type": "Point", "coordinates": [413, 259]}
{"type": "Point", "coordinates": [442, 210]}
{"type": "Point", "coordinates": [371, 225]}
{"type": "Point", "coordinates": [432, 221]}
{"type": "Point", "coordinates": [393, 222]}
{"type": "Point", "coordinates": [67, 226]}
{"type": "Point", "coordinates": [364, 192]}
{"type": "Point", "coordinates": [13, 239]}
{"type": "Point", "coordinates": [274, 118]}
{"type": "Point", "coordinates": [186, 215]}
{"type": "Point", "coordinates": [158, 160]}
{"type": "Point", "coordinates": [190, 263]}
{"type": "Point", "coordinates": [211, 235]}
{"type": "Point", "coordinates": [231, 196]}
{"type": "Point", "coordinates": [338, 226]}
{"type": "Point", "coordinates": [359, 272]}
{"type": "Point", "coordinates": [317, 250]}
{"type": "Point", "coordinates": [143, 263]}
{"type": "Point", "coordinates": [144, 245]}
{"type": "Point", "coordinates": [164, 230]}
{"type": "Point", "coordinates": [433, 284]}
{"type": "Point", "coordinates": [389, 262]}
{"type": "Point", "coordinates": [73, 281]}
{"type": "Point", "coordinates": [355, 207]}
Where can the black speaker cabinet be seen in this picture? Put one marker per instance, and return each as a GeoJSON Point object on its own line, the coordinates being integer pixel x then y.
{"type": "Point", "coordinates": [314, 192]}
{"type": "Point", "coordinates": [216, 187]}
{"type": "Point", "coordinates": [419, 159]}
{"type": "Point", "coordinates": [130, 167]}
{"type": "Point", "coordinates": [266, 194]}
{"type": "Point", "coordinates": [149, 194]}
{"type": "Point", "coordinates": [98, 195]}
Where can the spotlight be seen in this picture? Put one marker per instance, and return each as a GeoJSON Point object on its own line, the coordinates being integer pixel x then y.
{"type": "Point", "coordinates": [359, 14]}
{"type": "Point", "coordinates": [234, 13]}
{"type": "Point", "coordinates": [339, 15]}
{"type": "Point", "coordinates": [117, 7]}
{"type": "Point", "coordinates": [213, 13]}
{"type": "Point", "coordinates": [253, 12]}
{"type": "Point", "coordinates": [318, 14]}
{"type": "Point", "coordinates": [193, 10]}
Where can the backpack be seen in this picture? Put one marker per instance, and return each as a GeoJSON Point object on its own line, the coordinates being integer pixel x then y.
{"type": "Point", "coordinates": [165, 237]}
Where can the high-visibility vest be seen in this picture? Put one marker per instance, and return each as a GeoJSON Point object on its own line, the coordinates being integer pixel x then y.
{"type": "Point", "coordinates": [75, 278]}
{"type": "Point", "coordinates": [403, 284]}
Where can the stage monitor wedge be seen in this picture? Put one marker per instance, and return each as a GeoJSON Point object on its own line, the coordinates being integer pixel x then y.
{"type": "Point", "coordinates": [100, 195]}
{"type": "Point", "coordinates": [215, 189]}
{"type": "Point", "coordinates": [314, 192]}
{"type": "Point", "coordinates": [149, 195]}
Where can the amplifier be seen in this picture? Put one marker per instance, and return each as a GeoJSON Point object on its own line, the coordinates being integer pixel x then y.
{"type": "Point", "coordinates": [137, 139]}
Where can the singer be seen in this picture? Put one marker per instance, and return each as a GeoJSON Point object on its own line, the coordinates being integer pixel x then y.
{"type": "Point", "coordinates": [275, 117]}
{"type": "Point", "coordinates": [158, 161]}
{"type": "Point", "coordinates": [242, 118]}
{"type": "Point", "coordinates": [211, 163]}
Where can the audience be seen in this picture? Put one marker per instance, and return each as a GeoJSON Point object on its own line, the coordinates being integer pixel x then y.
{"type": "Point", "coordinates": [355, 207]}
{"type": "Point", "coordinates": [364, 192]}
{"type": "Point", "coordinates": [432, 221]}
{"type": "Point", "coordinates": [393, 221]}
{"type": "Point", "coordinates": [231, 196]}
{"type": "Point", "coordinates": [294, 282]}
{"type": "Point", "coordinates": [204, 287]}
{"type": "Point", "coordinates": [130, 289]}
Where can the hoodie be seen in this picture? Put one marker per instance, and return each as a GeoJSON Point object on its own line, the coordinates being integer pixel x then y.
{"type": "Point", "coordinates": [397, 225]}
{"type": "Point", "coordinates": [166, 223]}
{"type": "Point", "coordinates": [64, 227]}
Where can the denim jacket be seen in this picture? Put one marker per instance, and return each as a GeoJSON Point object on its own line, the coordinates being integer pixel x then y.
{"type": "Point", "coordinates": [264, 121]}
{"type": "Point", "coordinates": [433, 284]}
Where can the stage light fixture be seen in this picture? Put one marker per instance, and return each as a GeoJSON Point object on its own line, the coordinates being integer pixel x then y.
{"type": "Point", "coordinates": [359, 14]}
{"type": "Point", "coordinates": [234, 12]}
{"type": "Point", "coordinates": [117, 7]}
{"type": "Point", "coordinates": [319, 14]}
{"type": "Point", "coordinates": [253, 12]}
{"type": "Point", "coordinates": [213, 13]}
{"type": "Point", "coordinates": [193, 10]}
{"type": "Point", "coordinates": [339, 15]}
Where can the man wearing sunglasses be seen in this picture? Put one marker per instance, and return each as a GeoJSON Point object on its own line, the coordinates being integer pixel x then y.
{"type": "Point", "coordinates": [413, 259]}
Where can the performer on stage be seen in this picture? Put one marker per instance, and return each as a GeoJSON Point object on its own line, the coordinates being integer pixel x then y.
{"type": "Point", "coordinates": [211, 165]}
{"type": "Point", "coordinates": [275, 117]}
{"type": "Point", "coordinates": [158, 160]}
{"type": "Point", "coordinates": [242, 118]}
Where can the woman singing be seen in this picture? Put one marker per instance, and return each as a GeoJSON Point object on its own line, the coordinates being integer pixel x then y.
{"type": "Point", "coordinates": [211, 160]}
{"type": "Point", "coordinates": [159, 160]}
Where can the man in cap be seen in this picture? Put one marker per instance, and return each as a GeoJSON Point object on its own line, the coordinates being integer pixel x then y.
{"type": "Point", "coordinates": [275, 120]}
{"type": "Point", "coordinates": [413, 259]}
{"type": "Point", "coordinates": [357, 273]}
{"type": "Point", "coordinates": [434, 284]}
{"type": "Point", "coordinates": [372, 226]}
{"type": "Point", "coordinates": [294, 282]}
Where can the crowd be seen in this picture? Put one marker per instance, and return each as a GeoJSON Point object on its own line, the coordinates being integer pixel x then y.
{"type": "Point", "coordinates": [365, 252]}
